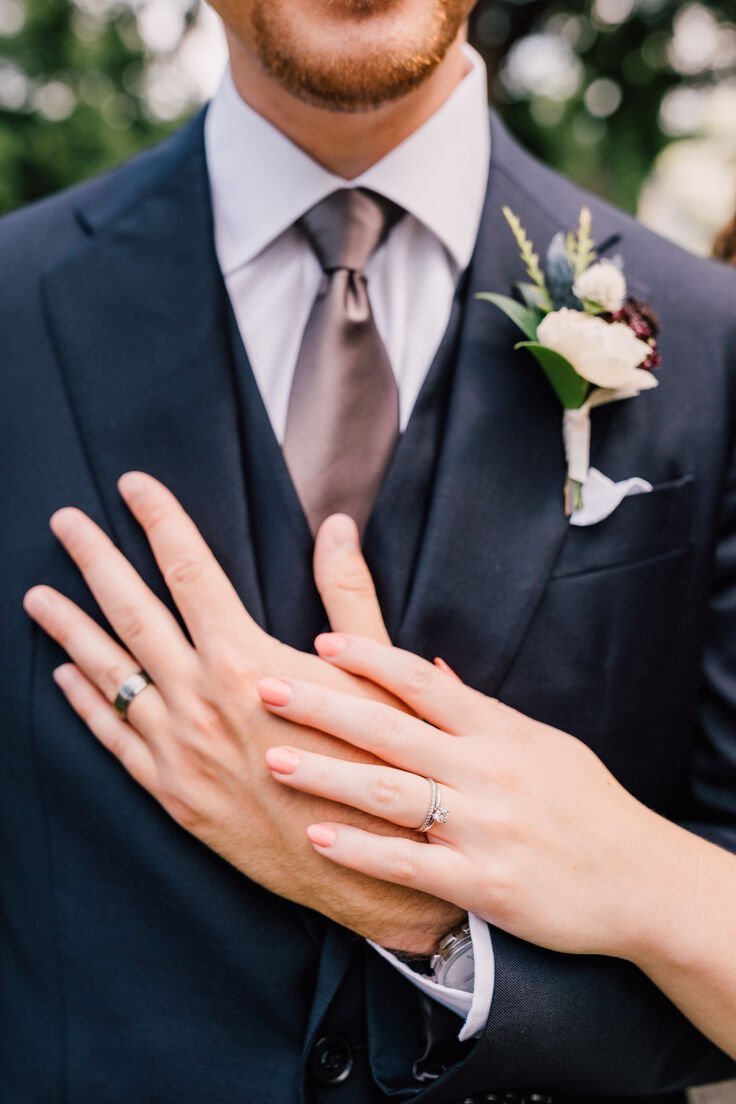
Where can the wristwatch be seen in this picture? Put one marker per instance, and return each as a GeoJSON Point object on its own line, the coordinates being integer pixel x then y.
{"type": "Point", "coordinates": [454, 965]}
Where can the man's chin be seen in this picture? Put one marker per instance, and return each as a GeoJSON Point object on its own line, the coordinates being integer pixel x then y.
{"type": "Point", "coordinates": [355, 55]}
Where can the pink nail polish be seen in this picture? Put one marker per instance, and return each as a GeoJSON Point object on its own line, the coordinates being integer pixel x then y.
{"type": "Point", "coordinates": [439, 662]}
{"type": "Point", "coordinates": [330, 644]}
{"type": "Point", "coordinates": [282, 760]}
{"type": "Point", "coordinates": [274, 691]}
{"type": "Point", "coordinates": [321, 836]}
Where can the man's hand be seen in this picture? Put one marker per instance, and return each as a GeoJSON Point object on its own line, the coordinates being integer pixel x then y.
{"type": "Point", "coordinates": [197, 737]}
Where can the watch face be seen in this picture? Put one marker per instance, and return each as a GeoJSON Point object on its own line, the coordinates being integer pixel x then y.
{"type": "Point", "coordinates": [459, 971]}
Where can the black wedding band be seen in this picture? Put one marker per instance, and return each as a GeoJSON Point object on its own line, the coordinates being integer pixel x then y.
{"type": "Point", "coordinates": [129, 691]}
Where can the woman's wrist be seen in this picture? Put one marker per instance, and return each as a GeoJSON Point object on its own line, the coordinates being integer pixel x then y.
{"type": "Point", "coordinates": [660, 895]}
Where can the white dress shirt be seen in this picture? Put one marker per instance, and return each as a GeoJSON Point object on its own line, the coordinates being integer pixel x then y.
{"type": "Point", "coordinates": [261, 184]}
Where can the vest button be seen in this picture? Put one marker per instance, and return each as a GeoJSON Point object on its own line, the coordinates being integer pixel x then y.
{"type": "Point", "coordinates": [332, 1060]}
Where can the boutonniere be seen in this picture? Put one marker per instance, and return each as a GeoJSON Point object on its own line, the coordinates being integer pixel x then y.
{"type": "Point", "coordinates": [593, 342]}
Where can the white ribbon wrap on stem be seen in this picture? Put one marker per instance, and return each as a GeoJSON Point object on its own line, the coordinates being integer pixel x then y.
{"type": "Point", "coordinates": [576, 431]}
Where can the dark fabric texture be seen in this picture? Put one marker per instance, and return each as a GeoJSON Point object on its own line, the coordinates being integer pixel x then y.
{"type": "Point", "coordinates": [135, 964]}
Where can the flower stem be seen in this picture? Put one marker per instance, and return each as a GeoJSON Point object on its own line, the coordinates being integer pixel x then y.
{"type": "Point", "coordinates": [573, 496]}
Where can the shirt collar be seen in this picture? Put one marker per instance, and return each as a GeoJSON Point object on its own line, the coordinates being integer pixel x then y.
{"type": "Point", "coordinates": [262, 183]}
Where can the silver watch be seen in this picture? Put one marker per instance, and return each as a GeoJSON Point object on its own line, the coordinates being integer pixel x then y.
{"type": "Point", "coordinates": [453, 965]}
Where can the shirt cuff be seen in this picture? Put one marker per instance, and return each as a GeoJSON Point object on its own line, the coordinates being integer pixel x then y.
{"type": "Point", "coordinates": [475, 1006]}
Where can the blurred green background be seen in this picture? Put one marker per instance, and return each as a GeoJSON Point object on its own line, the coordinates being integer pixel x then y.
{"type": "Point", "coordinates": [635, 99]}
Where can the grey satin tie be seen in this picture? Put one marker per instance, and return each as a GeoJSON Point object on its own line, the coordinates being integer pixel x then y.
{"type": "Point", "coordinates": [342, 422]}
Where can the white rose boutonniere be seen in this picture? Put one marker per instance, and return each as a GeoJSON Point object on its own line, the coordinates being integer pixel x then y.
{"type": "Point", "coordinates": [606, 354]}
{"type": "Point", "coordinates": [593, 343]}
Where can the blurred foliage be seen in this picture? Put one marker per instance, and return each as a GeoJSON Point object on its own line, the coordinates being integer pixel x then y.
{"type": "Point", "coordinates": [71, 94]}
{"type": "Point", "coordinates": [587, 84]}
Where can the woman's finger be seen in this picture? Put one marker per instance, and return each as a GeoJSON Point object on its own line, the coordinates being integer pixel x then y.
{"type": "Point", "coordinates": [203, 594]}
{"type": "Point", "coordinates": [391, 735]}
{"type": "Point", "coordinates": [344, 582]}
{"type": "Point", "coordinates": [428, 690]}
{"type": "Point", "coordinates": [142, 622]}
{"type": "Point", "coordinates": [436, 870]}
{"type": "Point", "coordinates": [101, 658]}
{"type": "Point", "coordinates": [400, 797]}
{"type": "Point", "coordinates": [111, 730]}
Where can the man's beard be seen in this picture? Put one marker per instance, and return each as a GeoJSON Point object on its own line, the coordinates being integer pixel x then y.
{"type": "Point", "coordinates": [364, 76]}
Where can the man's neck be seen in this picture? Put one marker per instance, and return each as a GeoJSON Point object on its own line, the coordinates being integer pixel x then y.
{"type": "Point", "coordinates": [346, 144]}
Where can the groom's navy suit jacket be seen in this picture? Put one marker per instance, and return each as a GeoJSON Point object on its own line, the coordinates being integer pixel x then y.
{"type": "Point", "coordinates": [136, 965]}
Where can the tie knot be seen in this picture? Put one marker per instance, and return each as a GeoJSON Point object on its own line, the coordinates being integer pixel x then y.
{"type": "Point", "coordinates": [347, 227]}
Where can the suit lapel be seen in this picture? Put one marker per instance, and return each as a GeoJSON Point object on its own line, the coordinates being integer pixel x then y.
{"type": "Point", "coordinates": [138, 316]}
{"type": "Point", "coordinates": [496, 521]}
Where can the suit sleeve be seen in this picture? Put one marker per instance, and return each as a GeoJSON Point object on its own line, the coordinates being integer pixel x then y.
{"type": "Point", "coordinates": [597, 1025]}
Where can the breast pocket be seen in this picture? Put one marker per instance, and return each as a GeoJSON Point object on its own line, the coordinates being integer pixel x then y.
{"type": "Point", "coordinates": [643, 527]}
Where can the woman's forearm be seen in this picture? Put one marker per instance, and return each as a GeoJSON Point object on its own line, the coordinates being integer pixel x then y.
{"type": "Point", "coordinates": [686, 941]}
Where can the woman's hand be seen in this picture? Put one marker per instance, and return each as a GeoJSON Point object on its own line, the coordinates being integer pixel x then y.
{"type": "Point", "coordinates": [195, 738]}
{"type": "Point", "coordinates": [540, 839]}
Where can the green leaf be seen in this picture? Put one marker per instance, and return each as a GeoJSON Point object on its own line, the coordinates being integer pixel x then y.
{"type": "Point", "coordinates": [526, 318]}
{"type": "Point", "coordinates": [570, 388]}
{"type": "Point", "coordinates": [532, 296]}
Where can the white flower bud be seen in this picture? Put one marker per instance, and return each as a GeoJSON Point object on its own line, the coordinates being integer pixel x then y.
{"type": "Point", "coordinates": [603, 284]}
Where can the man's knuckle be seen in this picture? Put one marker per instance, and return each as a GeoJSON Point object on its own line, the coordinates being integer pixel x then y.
{"type": "Point", "coordinates": [153, 514]}
{"type": "Point", "coordinates": [183, 572]}
{"type": "Point", "coordinates": [129, 623]}
{"type": "Point", "coordinates": [355, 579]}
{"type": "Point", "coordinates": [203, 720]}
{"type": "Point", "coordinates": [184, 810]}
{"type": "Point", "coordinates": [233, 666]}
{"type": "Point", "coordinates": [111, 678]}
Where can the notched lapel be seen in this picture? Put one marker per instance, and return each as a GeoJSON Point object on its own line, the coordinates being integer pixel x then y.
{"type": "Point", "coordinates": [138, 321]}
{"type": "Point", "coordinates": [496, 522]}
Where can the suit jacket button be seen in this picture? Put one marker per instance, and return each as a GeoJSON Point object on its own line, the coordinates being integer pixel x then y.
{"type": "Point", "coordinates": [332, 1060]}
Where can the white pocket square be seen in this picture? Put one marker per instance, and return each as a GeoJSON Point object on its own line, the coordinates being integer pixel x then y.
{"type": "Point", "coordinates": [601, 496]}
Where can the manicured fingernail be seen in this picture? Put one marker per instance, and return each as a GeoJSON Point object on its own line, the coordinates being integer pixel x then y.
{"type": "Point", "coordinates": [130, 486]}
{"type": "Point", "coordinates": [439, 662]}
{"type": "Point", "coordinates": [274, 691]}
{"type": "Point", "coordinates": [343, 532]}
{"type": "Point", "coordinates": [330, 644]}
{"type": "Point", "coordinates": [321, 836]}
{"type": "Point", "coordinates": [283, 760]}
{"type": "Point", "coordinates": [63, 523]}
{"type": "Point", "coordinates": [35, 602]}
{"type": "Point", "coordinates": [63, 675]}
